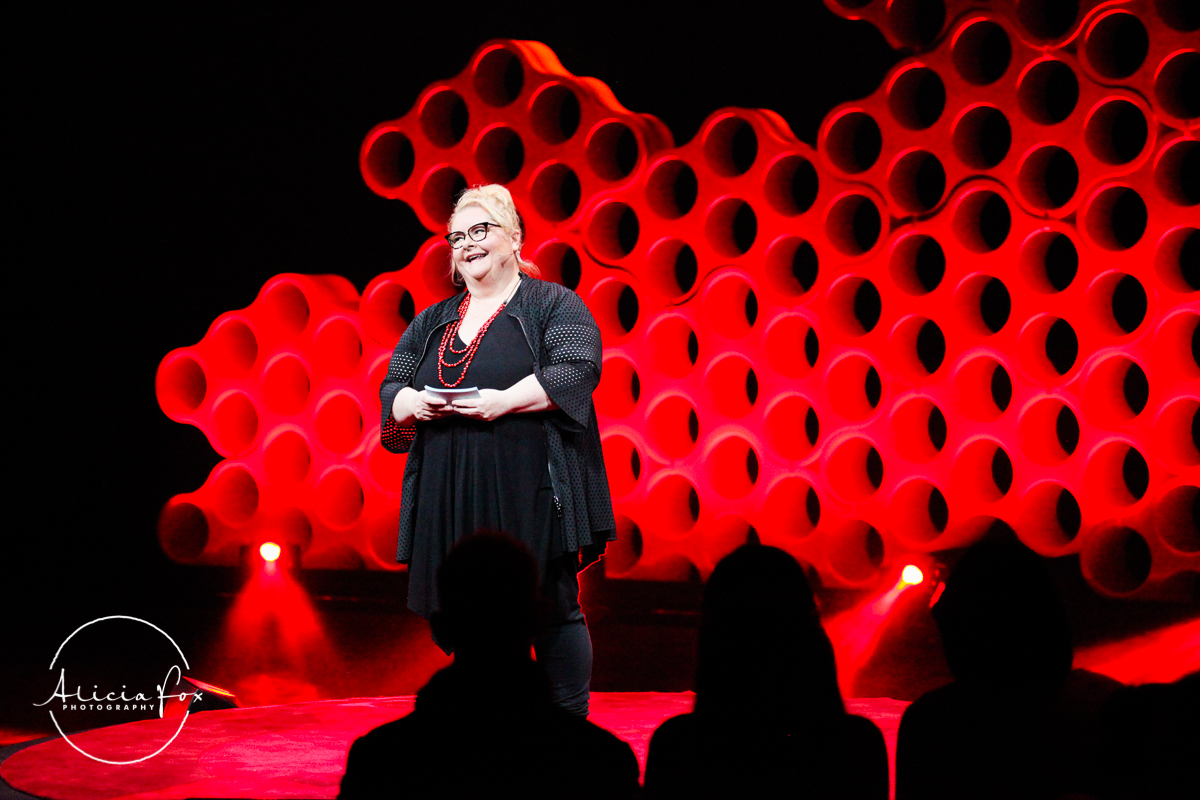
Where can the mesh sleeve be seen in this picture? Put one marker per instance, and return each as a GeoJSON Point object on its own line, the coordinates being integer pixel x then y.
{"type": "Point", "coordinates": [573, 356]}
{"type": "Point", "coordinates": [397, 438]}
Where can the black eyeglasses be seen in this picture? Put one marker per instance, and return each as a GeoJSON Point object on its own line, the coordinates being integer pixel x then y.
{"type": "Point", "coordinates": [477, 233]}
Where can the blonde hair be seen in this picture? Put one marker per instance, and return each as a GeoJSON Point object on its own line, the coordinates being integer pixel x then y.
{"type": "Point", "coordinates": [497, 201]}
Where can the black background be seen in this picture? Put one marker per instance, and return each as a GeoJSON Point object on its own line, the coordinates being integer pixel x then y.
{"type": "Point", "coordinates": [168, 161]}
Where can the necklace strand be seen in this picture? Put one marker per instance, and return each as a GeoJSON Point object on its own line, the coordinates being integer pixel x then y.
{"type": "Point", "coordinates": [468, 352]}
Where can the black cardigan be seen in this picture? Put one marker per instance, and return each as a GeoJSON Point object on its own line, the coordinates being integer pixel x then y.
{"type": "Point", "coordinates": [563, 335]}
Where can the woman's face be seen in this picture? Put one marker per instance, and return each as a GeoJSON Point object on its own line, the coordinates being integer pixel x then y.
{"type": "Point", "coordinates": [475, 261]}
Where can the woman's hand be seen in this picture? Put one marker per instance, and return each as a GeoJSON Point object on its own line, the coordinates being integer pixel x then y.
{"type": "Point", "coordinates": [490, 404]}
{"type": "Point", "coordinates": [411, 404]}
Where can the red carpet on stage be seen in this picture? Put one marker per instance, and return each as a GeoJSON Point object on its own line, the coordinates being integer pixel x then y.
{"type": "Point", "coordinates": [291, 751]}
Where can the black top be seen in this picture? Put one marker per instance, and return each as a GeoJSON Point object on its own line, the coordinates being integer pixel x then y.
{"type": "Point", "coordinates": [478, 475]}
{"type": "Point", "coordinates": [561, 333]}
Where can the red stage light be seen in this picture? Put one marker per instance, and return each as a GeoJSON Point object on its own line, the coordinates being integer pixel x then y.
{"type": "Point", "coordinates": [270, 551]}
{"type": "Point", "coordinates": [911, 575]}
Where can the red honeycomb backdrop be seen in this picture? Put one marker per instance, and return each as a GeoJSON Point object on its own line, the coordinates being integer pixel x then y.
{"type": "Point", "coordinates": [975, 301]}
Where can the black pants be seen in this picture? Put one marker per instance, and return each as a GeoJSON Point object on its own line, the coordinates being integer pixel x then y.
{"type": "Point", "coordinates": [564, 647]}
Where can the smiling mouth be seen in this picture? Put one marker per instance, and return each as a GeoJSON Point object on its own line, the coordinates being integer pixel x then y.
{"type": "Point", "coordinates": [474, 257]}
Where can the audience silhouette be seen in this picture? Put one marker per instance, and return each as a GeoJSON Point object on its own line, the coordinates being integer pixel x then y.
{"type": "Point", "coordinates": [1149, 742]}
{"type": "Point", "coordinates": [1017, 721]}
{"type": "Point", "coordinates": [769, 719]}
{"type": "Point", "coordinates": [486, 726]}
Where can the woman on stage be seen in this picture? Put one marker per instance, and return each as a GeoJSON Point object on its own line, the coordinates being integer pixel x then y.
{"type": "Point", "coordinates": [522, 455]}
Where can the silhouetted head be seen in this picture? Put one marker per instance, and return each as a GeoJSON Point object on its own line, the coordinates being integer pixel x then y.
{"type": "Point", "coordinates": [487, 591]}
{"type": "Point", "coordinates": [1002, 622]}
{"type": "Point", "coordinates": [763, 652]}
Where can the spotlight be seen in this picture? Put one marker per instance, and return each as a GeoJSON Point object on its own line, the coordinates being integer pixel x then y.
{"type": "Point", "coordinates": [269, 551]}
{"type": "Point", "coordinates": [912, 575]}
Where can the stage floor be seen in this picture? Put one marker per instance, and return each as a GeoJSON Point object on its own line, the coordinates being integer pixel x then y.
{"type": "Point", "coordinates": [291, 751]}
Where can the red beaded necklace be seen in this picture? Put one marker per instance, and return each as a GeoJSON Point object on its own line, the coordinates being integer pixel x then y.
{"type": "Point", "coordinates": [469, 352]}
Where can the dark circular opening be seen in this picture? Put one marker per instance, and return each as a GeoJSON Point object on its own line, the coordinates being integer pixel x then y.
{"type": "Point", "coordinates": [570, 268]}
{"type": "Point", "coordinates": [995, 304]}
{"type": "Point", "coordinates": [868, 305]}
{"type": "Point", "coordinates": [812, 347]}
{"type": "Point", "coordinates": [982, 53]}
{"type": "Point", "coordinates": [931, 346]}
{"type": "Point", "coordinates": [556, 192]}
{"type": "Point", "coordinates": [982, 137]}
{"type": "Point", "coordinates": [752, 465]}
{"type": "Point", "coordinates": [1117, 45]}
{"type": "Point", "coordinates": [1182, 15]}
{"type": "Point", "coordinates": [930, 264]}
{"type": "Point", "coordinates": [1049, 177]}
{"type": "Point", "coordinates": [1177, 173]}
{"type": "Point", "coordinates": [1066, 428]}
{"type": "Point", "coordinates": [612, 151]}
{"type": "Point", "coordinates": [791, 185]}
{"type": "Point", "coordinates": [751, 307]}
{"type": "Point", "coordinates": [693, 348]}
{"type": "Point", "coordinates": [1062, 346]}
{"type": "Point", "coordinates": [983, 222]}
{"type": "Point", "coordinates": [693, 426]}
{"type": "Point", "coordinates": [407, 307]}
{"type": "Point", "coordinates": [1189, 259]}
{"type": "Point", "coordinates": [812, 426]}
{"type": "Point", "coordinates": [555, 114]}
{"type": "Point", "coordinates": [1135, 388]}
{"type": "Point", "coordinates": [873, 545]}
{"type": "Point", "coordinates": [1002, 470]}
{"type": "Point", "coordinates": [391, 159]}
{"type": "Point", "coordinates": [614, 230]}
{"type": "Point", "coordinates": [917, 98]}
{"type": "Point", "coordinates": [918, 181]}
{"type": "Point", "coordinates": [627, 308]}
{"type": "Point", "coordinates": [1048, 19]}
{"type": "Point", "coordinates": [804, 265]}
{"type": "Point", "coordinates": [1136, 473]}
{"type": "Point", "coordinates": [499, 77]}
{"type": "Point", "coordinates": [1128, 219]}
{"type": "Point", "coordinates": [1061, 262]}
{"type": "Point", "coordinates": [917, 23]}
{"type": "Point", "coordinates": [1178, 85]}
{"type": "Point", "coordinates": [1066, 511]}
{"type": "Point", "coordinates": [500, 155]}
{"type": "Point", "coordinates": [751, 387]}
{"type": "Point", "coordinates": [441, 191]}
{"type": "Point", "coordinates": [1129, 303]}
{"type": "Point", "coordinates": [693, 503]}
{"type": "Point", "coordinates": [937, 428]}
{"type": "Point", "coordinates": [1048, 92]}
{"type": "Point", "coordinates": [731, 146]}
{"type": "Point", "coordinates": [627, 230]}
{"type": "Point", "coordinates": [686, 268]}
{"type": "Point", "coordinates": [874, 475]}
{"type": "Point", "coordinates": [745, 228]}
{"type": "Point", "coordinates": [812, 506]}
{"type": "Point", "coordinates": [854, 142]}
{"type": "Point", "coordinates": [854, 224]}
{"type": "Point", "coordinates": [1001, 387]}
{"type": "Point", "coordinates": [939, 511]}
{"type": "Point", "coordinates": [872, 387]}
{"type": "Point", "coordinates": [671, 189]}
{"type": "Point", "coordinates": [1116, 132]}
{"type": "Point", "coordinates": [444, 118]}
